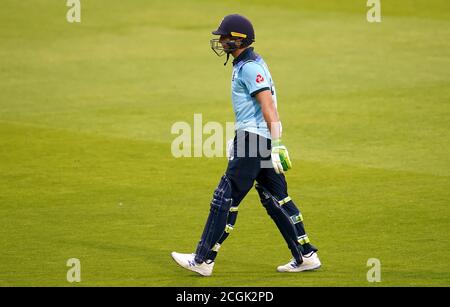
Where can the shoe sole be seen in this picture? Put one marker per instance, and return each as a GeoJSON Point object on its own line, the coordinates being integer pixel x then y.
{"type": "Point", "coordinates": [303, 269]}
{"type": "Point", "coordinates": [188, 268]}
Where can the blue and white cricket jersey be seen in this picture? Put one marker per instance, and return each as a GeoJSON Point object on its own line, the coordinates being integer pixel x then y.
{"type": "Point", "coordinates": [250, 76]}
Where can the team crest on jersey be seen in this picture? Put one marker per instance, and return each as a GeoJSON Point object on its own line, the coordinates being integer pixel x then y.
{"type": "Point", "coordinates": [259, 78]}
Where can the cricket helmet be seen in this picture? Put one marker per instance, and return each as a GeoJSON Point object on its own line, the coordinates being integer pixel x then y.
{"type": "Point", "coordinates": [236, 27]}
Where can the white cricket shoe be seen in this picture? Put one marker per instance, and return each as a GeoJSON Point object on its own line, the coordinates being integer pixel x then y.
{"type": "Point", "coordinates": [187, 261]}
{"type": "Point", "coordinates": [310, 262]}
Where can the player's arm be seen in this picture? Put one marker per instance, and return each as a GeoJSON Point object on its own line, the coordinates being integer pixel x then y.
{"type": "Point", "coordinates": [270, 113]}
{"type": "Point", "coordinates": [280, 156]}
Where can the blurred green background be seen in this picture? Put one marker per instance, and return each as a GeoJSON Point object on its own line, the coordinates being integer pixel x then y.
{"type": "Point", "coordinates": [85, 164]}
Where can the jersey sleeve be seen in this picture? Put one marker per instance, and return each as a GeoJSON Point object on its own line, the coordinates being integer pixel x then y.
{"type": "Point", "coordinates": [255, 78]}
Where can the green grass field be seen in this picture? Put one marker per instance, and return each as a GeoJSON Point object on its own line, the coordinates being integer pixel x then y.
{"type": "Point", "coordinates": [86, 169]}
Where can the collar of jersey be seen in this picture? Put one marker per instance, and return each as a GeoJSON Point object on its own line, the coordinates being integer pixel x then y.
{"type": "Point", "coordinates": [247, 55]}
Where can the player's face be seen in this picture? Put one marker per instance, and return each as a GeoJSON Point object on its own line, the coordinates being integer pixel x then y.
{"type": "Point", "coordinates": [230, 43]}
{"type": "Point", "coordinates": [223, 40]}
{"type": "Point", "coordinates": [225, 44]}
{"type": "Point", "coordinates": [220, 46]}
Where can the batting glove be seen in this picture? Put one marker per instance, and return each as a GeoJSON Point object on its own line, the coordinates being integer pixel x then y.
{"type": "Point", "coordinates": [280, 157]}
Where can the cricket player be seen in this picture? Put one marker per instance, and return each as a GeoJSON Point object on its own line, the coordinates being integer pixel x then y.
{"type": "Point", "coordinates": [256, 154]}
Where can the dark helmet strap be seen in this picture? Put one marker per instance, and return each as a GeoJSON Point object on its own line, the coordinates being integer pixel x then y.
{"type": "Point", "coordinates": [228, 57]}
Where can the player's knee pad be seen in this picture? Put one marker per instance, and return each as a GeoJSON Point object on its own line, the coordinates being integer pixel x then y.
{"type": "Point", "coordinates": [217, 219]}
{"type": "Point", "coordinates": [281, 219]}
{"type": "Point", "coordinates": [222, 200]}
{"type": "Point", "coordinates": [269, 202]}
